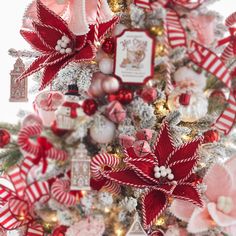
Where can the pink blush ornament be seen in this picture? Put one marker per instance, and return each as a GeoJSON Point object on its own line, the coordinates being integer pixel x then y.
{"type": "Point", "coordinates": [31, 120]}
{"type": "Point", "coordinates": [110, 84]}
{"type": "Point", "coordinates": [115, 112]}
{"type": "Point", "coordinates": [95, 88]}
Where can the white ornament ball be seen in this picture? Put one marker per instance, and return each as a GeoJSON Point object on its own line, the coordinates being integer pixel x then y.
{"type": "Point", "coordinates": [103, 134]}
{"type": "Point", "coordinates": [96, 89]}
{"type": "Point", "coordinates": [110, 84]}
{"type": "Point", "coordinates": [157, 175]}
{"type": "Point", "coordinates": [119, 29]}
{"type": "Point", "coordinates": [106, 65]}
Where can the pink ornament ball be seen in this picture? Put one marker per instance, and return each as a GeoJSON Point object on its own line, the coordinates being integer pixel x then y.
{"type": "Point", "coordinates": [110, 84]}
{"type": "Point", "coordinates": [31, 120]}
{"type": "Point", "coordinates": [106, 66]}
{"type": "Point", "coordinates": [95, 88]}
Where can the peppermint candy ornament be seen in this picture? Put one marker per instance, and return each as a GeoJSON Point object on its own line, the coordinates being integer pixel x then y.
{"type": "Point", "coordinates": [61, 192]}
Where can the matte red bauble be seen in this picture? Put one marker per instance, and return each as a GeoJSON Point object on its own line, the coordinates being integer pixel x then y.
{"type": "Point", "coordinates": [124, 96]}
{"type": "Point", "coordinates": [4, 138]}
{"type": "Point", "coordinates": [90, 107]}
{"type": "Point", "coordinates": [109, 45]}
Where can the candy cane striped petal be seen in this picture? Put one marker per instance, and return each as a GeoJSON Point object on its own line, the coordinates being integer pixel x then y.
{"type": "Point", "coordinates": [38, 191]}
{"type": "Point", "coordinates": [60, 191]}
{"type": "Point", "coordinates": [189, 4]}
{"type": "Point", "coordinates": [100, 161]}
{"type": "Point", "coordinates": [25, 167]}
{"type": "Point", "coordinates": [35, 230]}
{"type": "Point", "coordinates": [18, 207]}
{"type": "Point", "coordinates": [24, 138]}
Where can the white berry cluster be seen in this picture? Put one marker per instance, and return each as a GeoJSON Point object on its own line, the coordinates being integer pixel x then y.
{"type": "Point", "coordinates": [162, 171]}
{"type": "Point", "coordinates": [62, 45]}
{"type": "Point", "coordinates": [225, 204]}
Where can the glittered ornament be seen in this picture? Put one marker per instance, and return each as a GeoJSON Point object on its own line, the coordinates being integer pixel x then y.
{"type": "Point", "coordinates": [106, 65]}
{"type": "Point", "coordinates": [60, 230]}
{"type": "Point", "coordinates": [124, 96]}
{"type": "Point", "coordinates": [108, 45]}
{"type": "Point", "coordinates": [4, 138]}
{"type": "Point", "coordinates": [211, 136]}
{"type": "Point", "coordinates": [141, 148]}
{"type": "Point", "coordinates": [31, 120]}
{"type": "Point", "coordinates": [89, 106]}
{"type": "Point", "coordinates": [136, 228]}
{"type": "Point", "coordinates": [148, 94]}
{"type": "Point", "coordinates": [115, 112]}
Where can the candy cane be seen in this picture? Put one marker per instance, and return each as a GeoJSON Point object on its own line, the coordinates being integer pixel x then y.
{"type": "Point", "coordinates": [100, 161]}
{"type": "Point", "coordinates": [60, 191]}
{"type": "Point", "coordinates": [96, 27]}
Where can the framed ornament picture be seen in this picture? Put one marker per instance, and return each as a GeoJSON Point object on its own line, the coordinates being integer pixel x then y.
{"type": "Point", "coordinates": [134, 57]}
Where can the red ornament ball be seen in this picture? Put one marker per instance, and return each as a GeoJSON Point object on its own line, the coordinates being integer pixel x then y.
{"type": "Point", "coordinates": [211, 136]}
{"type": "Point", "coordinates": [109, 45]}
{"type": "Point", "coordinates": [4, 137]}
{"type": "Point", "coordinates": [57, 131]}
{"type": "Point", "coordinates": [90, 107]}
{"type": "Point", "coordinates": [148, 94]}
{"type": "Point", "coordinates": [60, 231]}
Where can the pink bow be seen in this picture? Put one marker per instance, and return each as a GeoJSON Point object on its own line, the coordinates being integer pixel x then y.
{"type": "Point", "coordinates": [79, 14]}
{"type": "Point", "coordinates": [18, 198]}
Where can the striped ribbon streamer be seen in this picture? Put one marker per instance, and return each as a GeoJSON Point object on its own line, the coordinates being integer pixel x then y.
{"type": "Point", "coordinates": [209, 61]}
{"type": "Point", "coordinates": [96, 27]}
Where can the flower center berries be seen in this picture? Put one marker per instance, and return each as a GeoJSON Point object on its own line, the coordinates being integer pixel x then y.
{"type": "Point", "coordinates": [225, 204]}
{"type": "Point", "coordinates": [62, 45]}
{"type": "Point", "coordinates": [162, 171]}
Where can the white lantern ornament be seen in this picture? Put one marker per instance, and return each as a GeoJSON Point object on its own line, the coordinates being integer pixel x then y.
{"type": "Point", "coordinates": [80, 169]}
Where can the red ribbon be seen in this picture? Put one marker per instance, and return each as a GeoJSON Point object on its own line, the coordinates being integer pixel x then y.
{"type": "Point", "coordinates": [73, 106]}
{"type": "Point", "coordinates": [44, 146]}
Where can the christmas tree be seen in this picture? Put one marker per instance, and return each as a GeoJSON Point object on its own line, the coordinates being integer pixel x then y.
{"type": "Point", "coordinates": [131, 129]}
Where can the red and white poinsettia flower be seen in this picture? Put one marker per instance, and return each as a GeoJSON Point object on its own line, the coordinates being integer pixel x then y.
{"type": "Point", "coordinates": [58, 45]}
{"type": "Point", "coordinates": [163, 174]}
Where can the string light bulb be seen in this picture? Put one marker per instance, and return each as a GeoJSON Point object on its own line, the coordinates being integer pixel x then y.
{"type": "Point", "coordinates": [157, 30]}
{"type": "Point", "coordinates": [119, 232]}
{"type": "Point", "coordinates": [160, 221]}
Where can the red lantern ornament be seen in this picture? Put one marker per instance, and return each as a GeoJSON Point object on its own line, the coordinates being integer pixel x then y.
{"type": "Point", "coordinates": [184, 99]}
{"type": "Point", "coordinates": [60, 231]}
{"type": "Point", "coordinates": [89, 107]}
{"type": "Point", "coordinates": [211, 136]}
{"type": "Point", "coordinates": [4, 138]}
{"type": "Point", "coordinates": [109, 46]}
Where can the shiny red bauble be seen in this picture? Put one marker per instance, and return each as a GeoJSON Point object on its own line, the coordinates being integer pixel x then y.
{"type": "Point", "coordinates": [60, 231]}
{"type": "Point", "coordinates": [109, 45]}
{"type": "Point", "coordinates": [4, 138]}
{"type": "Point", "coordinates": [211, 136]}
{"type": "Point", "coordinates": [89, 107]}
{"type": "Point", "coordinates": [124, 96]}
{"type": "Point", "coordinates": [148, 94]}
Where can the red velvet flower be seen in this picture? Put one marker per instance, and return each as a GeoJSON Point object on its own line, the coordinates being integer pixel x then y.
{"type": "Point", "coordinates": [163, 173]}
{"type": "Point", "coordinates": [58, 45]}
